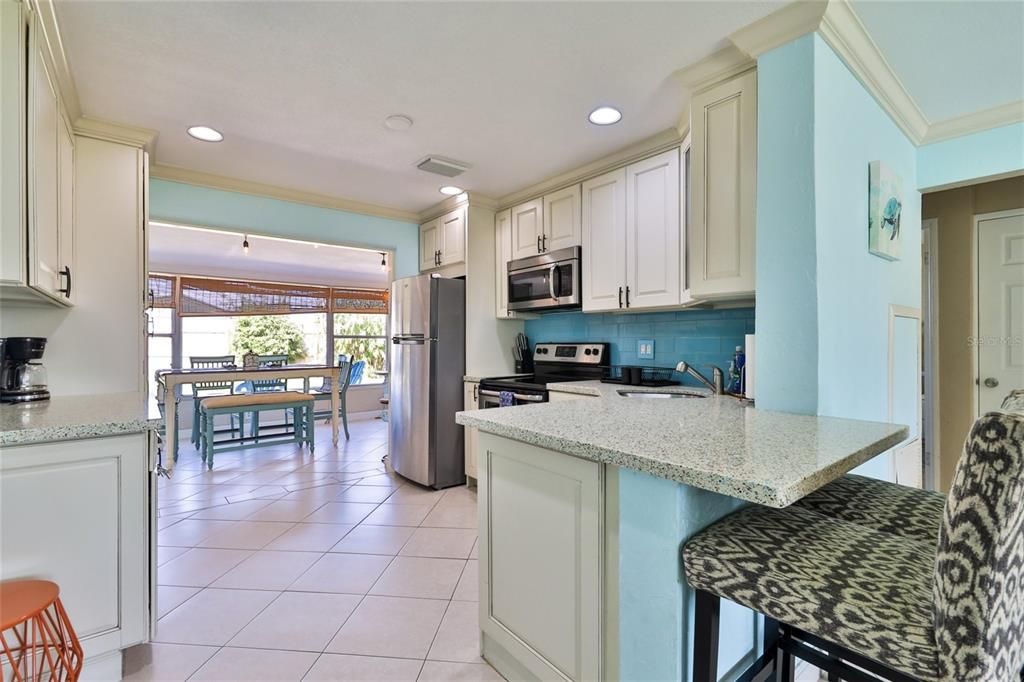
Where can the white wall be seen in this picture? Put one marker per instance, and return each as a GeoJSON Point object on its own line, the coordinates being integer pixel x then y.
{"type": "Point", "coordinates": [97, 346]}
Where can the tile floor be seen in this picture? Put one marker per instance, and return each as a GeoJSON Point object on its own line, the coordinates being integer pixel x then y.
{"type": "Point", "coordinates": [281, 565]}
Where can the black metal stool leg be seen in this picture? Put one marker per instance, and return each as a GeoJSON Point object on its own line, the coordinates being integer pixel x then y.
{"type": "Point", "coordinates": [705, 637]}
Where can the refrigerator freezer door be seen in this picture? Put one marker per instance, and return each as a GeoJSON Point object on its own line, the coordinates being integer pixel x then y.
{"type": "Point", "coordinates": [410, 306]}
{"type": "Point", "coordinates": [410, 409]}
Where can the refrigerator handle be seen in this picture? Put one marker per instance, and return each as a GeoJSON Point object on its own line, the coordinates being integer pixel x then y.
{"type": "Point", "coordinates": [408, 340]}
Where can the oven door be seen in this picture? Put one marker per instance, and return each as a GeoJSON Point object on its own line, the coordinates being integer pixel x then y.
{"type": "Point", "coordinates": [547, 281]}
{"type": "Point", "coordinates": [489, 398]}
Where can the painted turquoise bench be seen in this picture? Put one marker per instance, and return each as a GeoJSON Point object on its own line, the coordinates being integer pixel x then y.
{"type": "Point", "coordinates": [210, 408]}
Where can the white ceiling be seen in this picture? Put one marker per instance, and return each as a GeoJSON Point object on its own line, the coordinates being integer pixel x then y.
{"type": "Point", "coordinates": [954, 58]}
{"type": "Point", "coordinates": [301, 89]}
{"type": "Point", "coordinates": [190, 251]}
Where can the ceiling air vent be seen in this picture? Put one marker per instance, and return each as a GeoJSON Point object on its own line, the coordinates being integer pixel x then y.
{"type": "Point", "coordinates": [442, 166]}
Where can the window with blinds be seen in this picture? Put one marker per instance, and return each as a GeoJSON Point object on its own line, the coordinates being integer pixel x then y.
{"type": "Point", "coordinates": [197, 296]}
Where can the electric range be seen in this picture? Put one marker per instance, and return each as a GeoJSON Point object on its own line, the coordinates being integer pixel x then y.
{"type": "Point", "coordinates": [552, 363]}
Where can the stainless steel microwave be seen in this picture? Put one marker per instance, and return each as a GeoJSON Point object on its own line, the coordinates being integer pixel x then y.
{"type": "Point", "coordinates": [547, 281]}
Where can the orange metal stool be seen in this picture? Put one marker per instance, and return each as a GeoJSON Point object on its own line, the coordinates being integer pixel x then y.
{"type": "Point", "coordinates": [36, 634]}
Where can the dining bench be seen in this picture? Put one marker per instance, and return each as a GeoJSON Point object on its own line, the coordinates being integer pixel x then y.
{"type": "Point", "coordinates": [210, 408]}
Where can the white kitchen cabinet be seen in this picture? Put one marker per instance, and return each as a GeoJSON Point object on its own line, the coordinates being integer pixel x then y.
{"type": "Point", "coordinates": [604, 241]}
{"type": "Point", "coordinates": [77, 513]}
{"type": "Point", "coordinates": [632, 236]}
{"type": "Point", "coordinates": [37, 181]}
{"type": "Point", "coordinates": [562, 224]}
{"type": "Point", "coordinates": [546, 615]}
{"type": "Point", "coordinates": [443, 240]}
{"type": "Point", "coordinates": [527, 229]}
{"type": "Point", "coordinates": [453, 237]}
{"type": "Point", "coordinates": [653, 234]}
{"type": "Point", "coordinates": [430, 238]}
{"type": "Point", "coordinates": [471, 435]}
{"type": "Point", "coordinates": [502, 255]}
{"type": "Point", "coordinates": [723, 123]}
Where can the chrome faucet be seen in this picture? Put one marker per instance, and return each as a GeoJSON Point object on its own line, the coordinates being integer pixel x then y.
{"type": "Point", "coordinates": [718, 378]}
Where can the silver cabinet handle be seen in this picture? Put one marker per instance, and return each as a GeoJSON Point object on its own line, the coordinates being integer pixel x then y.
{"type": "Point", "coordinates": [991, 382]}
{"type": "Point", "coordinates": [517, 396]}
{"type": "Point", "coordinates": [539, 249]}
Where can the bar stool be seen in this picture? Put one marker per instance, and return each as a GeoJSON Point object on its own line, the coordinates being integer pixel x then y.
{"type": "Point", "coordinates": [849, 597]}
{"type": "Point", "coordinates": [35, 633]}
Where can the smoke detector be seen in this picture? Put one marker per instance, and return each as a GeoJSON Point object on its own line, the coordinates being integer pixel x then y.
{"type": "Point", "coordinates": [442, 166]}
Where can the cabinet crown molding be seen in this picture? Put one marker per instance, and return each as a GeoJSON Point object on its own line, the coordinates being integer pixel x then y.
{"type": "Point", "coordinates": [451, 203]}
{"type": "Point", "coordinates": [722, 65]}
{"type": "Point", "coordinates": [143, 138]}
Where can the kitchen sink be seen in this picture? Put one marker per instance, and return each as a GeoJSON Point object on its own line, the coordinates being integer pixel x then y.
{"type": "Point", "coordinates": [661, 394]}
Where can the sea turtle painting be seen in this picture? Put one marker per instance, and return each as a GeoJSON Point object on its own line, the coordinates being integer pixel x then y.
{"type": "Point", "coordinates": [885, 209]}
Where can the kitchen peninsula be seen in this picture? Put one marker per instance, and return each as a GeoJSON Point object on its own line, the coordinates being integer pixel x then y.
{"type": "Point", "coordinates": [586, 502]}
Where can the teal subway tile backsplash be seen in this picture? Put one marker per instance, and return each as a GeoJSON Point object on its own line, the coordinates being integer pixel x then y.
{"type": "Point", "coordinates": [701, 337]}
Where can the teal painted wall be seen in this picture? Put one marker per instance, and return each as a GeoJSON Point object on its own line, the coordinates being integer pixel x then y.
{"type": "Point", "coordinates": [855, 288]}
{"type": "Point", "coordinates": [787, 277]}
{"type": "Point", "coordinates": [981, 155]}
{"type": "Point", "coordinates": [193, 205]}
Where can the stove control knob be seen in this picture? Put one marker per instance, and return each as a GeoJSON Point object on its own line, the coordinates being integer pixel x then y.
{"type": "Point", "coordinates": [586, 351]}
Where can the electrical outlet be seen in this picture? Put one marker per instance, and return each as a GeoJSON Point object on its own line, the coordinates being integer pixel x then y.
{"type": "Point", "coordinates": [645, 349]}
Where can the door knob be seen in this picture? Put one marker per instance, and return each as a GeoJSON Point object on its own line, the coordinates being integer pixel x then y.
{"type": "Point", "coordinates": [991, 382]}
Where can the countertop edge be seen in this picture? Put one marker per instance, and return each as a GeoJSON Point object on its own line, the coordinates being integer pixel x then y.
{"type": "Point", "coordinates": [69, 432]}
{"type": "Point", "coordinates": [758, 493]}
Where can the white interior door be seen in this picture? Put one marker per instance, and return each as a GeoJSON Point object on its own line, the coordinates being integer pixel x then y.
{"type": "Point", "coordinates": [1000, 338]}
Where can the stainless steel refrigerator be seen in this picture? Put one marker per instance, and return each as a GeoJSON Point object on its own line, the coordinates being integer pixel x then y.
{"type": "Point", "coordinates": [428, 361]}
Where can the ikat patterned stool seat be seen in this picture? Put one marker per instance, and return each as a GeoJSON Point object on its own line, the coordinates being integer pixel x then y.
{"type": "Point", "coordinates": [949, 610]}
{"type": "Point", "coordinates": [1015, 401]}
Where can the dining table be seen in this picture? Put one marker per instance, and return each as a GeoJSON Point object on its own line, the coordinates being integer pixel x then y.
{"type": "Point", "coordinates": [168, 381]}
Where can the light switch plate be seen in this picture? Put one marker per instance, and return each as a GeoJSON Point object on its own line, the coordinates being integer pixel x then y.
{"type": "Point", "coordinates": [645, 349]}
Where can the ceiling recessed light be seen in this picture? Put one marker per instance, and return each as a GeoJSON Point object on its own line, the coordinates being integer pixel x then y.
{"type": "Point", "coordinates": [450, 190]}
{"type": "Point", "coordinates": [205, 133]}
{"type": "Point", "coordinates": [398, 122]}
{"type": "Point", "coordinates": [605, 116]}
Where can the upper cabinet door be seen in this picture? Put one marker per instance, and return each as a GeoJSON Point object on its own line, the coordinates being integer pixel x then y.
{"type": "Point", "coordinates": [653, 231]}
{"type": "Point", "coordinates": [429, 244]}
{"type": "Point", "coordinates": [527, 229]}
{"type": "Point", "coordinates": [66, 207]}
{"type": "Point", "coordinates": [453, 237]}
{"type": "Point", "coordinates": [604, 241]}
{"type": "Point", "coordinates": [723, 175]}
{"type": "Point", "coordinates": [43, 172]}
{"type": "Point", "coordinates": [562, 223]}
{"type": "Point", "coordinates": [502, 254]}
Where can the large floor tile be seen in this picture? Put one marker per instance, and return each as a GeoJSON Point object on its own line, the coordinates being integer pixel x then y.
{"type": "Point", "coordinates": [212, 617]}
{"type": "Point", "coordinates": [414, 494]}
{"type": "Point", "coordinates": [458, 638]}
{"type": "Point", "coordinates": [340, 512]}
{"type": "Point", "coordinates": [444, 671]}
{"type": "Point", "coordinates": [460, 495]}
{"type": "Point", "coordinates": [468, 588]}
{"type": "Point", "coordinates": [368, 539]}
{"type": "Point", "coordinates": [286, 510]}
{"type": "Point", "coordinates": [451, 516]}
{"type": "Point", "coordinates": [255, 665]}
{"type": "Point", "coordinates": [342, 573]}
{"type": "Point", "coordinates": [333, 667]}
{"type": "Point", "coordinates": [311, 537]}
{"type": "Point", "coordinates": [398, 515]}
{"type": "Point", "coordinates": [245, 535]}
{"type": "Point", "coordinates": [267, 570]}
{"type": "Point", "coordinates": [390, 626]}
{"type": "Point", "coordinates": [365, 493]}
{"type": "Point", "coordinates": [164, 662]}
{"type": "Point", "coordinates": [169, 597]}
{"type": "Point", "coordinates": [165, 554]}
{"type": "Point", "coordinates": [190, 532]}
{"type": "Point", "coordinates": [420, 577]}
{"type": "Point", "coordinates": [232, 511]}
{"type": "Point", "coordinates": [448, 543]}
{"type": "Point", "coordinates": [199, 567]}
{"type": "Point", "coordinates": [298, 621]}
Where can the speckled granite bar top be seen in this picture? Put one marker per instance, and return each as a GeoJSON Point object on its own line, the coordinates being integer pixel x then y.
{"type": "Point", "coordinates": [74, 417]}
{"type": "Point", "coordinates": [713, 443]}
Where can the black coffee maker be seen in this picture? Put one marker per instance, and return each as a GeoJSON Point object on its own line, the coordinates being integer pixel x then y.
{"type": "Point", "coordinates": [22, 376]}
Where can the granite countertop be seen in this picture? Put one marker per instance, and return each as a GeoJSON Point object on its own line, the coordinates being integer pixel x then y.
{"type": "Point", "coordinates": [473, 377]}
{"type": "Point", "coordinates": [74, 417]}
{"type": "Point", "coordinates": [716, 443]}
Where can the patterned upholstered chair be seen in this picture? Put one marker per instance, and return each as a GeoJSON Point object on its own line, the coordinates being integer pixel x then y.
{"type": "Point", "coordinates": [905, 607]}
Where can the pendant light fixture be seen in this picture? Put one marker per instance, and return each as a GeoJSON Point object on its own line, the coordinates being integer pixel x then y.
{"type": "Point", "coordinates": [383, 262]}
{"type": "Point", "coordinates": [245, 245]}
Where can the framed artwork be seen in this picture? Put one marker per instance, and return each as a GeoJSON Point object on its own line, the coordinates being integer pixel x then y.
{"type": "Point", "coordinates": [885, 208]}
